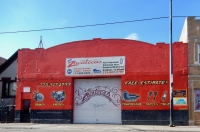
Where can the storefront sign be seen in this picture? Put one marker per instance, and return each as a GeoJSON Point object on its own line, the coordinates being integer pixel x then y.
{"type": "Point", "coordinates": [179, 93]}
{"type": "Point", "coordinates": [26, 89]}
{"type": "Point", "coordinates": [179, 101]}
{"type": "Point", "coordinates": [95, 66]}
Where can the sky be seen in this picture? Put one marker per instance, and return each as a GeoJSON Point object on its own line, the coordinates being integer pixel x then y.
{"type": "Point", "coordinates": [25, 15]}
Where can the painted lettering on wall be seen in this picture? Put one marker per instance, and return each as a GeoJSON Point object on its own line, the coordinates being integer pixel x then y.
{"type": "Point", "coordinates": [55, 84]}
{"type": "Point", "coordinates": [151, 104]}
{"type": "Point", "coordinates": [165, 104]}
{"type": "Point", "coordinates": [39, 104]}
{"type": "Point", "coordinates": [131, 83]}
{"type": "Point", "coordinates": [97, 106]}
{"type": "Point", "coordinates": [183, 108]}
{"type": "Point", "coordinates": [132, 104]}
{"type": "Point", "coordinates": [58, 104]}
{"type": "Point", "coordinates": [146, 82]}
{"type": "Point", "coordinates": [147, 104]}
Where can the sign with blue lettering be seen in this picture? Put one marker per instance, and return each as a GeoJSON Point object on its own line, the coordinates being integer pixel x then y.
{"type": "Point", "coordinates": [114, 65]}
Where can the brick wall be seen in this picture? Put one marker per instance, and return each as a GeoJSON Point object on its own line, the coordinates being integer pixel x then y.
{"type": "Point", "coordinates": [193, 35]}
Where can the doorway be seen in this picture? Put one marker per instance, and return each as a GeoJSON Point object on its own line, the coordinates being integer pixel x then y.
{"type": "Point", "coordinates": [25, 113]}
{"type": "Point", "coordinates": [97, 101]}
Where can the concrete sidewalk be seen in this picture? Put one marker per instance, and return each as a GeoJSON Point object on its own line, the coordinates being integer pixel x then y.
{"type": "Point", "coordinates": [98, 127]}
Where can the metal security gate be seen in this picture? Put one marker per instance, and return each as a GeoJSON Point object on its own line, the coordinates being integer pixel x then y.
{"type": "Point", "coordinates": [7, 113]}
{"type": "Point", "coordinates": [97, 101]}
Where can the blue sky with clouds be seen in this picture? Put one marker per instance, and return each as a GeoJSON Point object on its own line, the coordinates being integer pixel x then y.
{"type": "Point", "coordinates": [17, 15]}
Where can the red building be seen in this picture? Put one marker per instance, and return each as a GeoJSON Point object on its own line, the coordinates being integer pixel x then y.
{"type": "Point", "coordinates": [102, 81]}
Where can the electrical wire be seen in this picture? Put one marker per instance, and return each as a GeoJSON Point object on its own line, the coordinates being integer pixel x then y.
{"type": "Point", "coordinates": [89, 25]}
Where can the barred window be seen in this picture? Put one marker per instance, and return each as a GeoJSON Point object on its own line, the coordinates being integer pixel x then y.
{"type": "Point", "coordinates": [197, 99]}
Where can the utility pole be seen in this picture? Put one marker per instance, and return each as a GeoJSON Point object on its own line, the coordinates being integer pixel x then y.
{"type": "Point", "coordinates": [171, 69]}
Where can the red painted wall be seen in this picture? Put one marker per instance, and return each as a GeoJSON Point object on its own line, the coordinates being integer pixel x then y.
{"type": "Point", "coordinates": [43, 70]}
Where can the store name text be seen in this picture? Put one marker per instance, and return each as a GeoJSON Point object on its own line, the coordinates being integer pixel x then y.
{"type": "Point", "coordinates": [146, 82]}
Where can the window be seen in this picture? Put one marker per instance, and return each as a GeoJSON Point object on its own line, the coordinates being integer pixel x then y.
{"type": "Point", "coordinates": [8, 88]}
{"type": "Point", "coordinates": [197, 99]}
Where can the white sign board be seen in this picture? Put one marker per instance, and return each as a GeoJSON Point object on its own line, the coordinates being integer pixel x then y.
{"type": "Point", "coordinates": [26, 89]}
{"type": "Point", "coordinates": [179, 101]}
{"type": "Point", "coordinates": [95, 66]}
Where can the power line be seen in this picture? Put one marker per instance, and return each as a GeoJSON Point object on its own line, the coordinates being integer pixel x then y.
{"type": "Point", "coordinates": [89, 25]}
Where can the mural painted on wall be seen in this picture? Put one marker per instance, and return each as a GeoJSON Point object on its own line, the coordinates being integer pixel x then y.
{"type": "Point", "coordinates": [54, 95]}
{"type": "Point", "coordinates": [82, 95]}
{"type": "Point", "coordinates": [38, 97]}
{"type": "Point", "coordinates": [129, 97]}
{"type": "Point", "coordinates": [141, 94]}
{"type": "Point", "coordinates": [152, 95]}
{"type": "Point", "coordinates": [59, 97]}
{"type": "Point", "coordinates": [164, 96]}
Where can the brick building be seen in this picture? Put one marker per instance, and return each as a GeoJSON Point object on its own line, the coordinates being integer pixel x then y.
{"type": "Point", "coordinates": [102, 81]}
{"type": "Point", "coordinates": [191, 35]}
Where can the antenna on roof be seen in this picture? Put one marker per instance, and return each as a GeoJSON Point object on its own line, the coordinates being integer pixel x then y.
{"type": "Point", "coordinates": [40, 44]}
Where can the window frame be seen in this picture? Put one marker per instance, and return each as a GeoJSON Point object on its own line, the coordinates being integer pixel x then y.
{"type": "Point", "coordinates": [7, 81]}
{"type": "Point", "coordinates": [196, 99]}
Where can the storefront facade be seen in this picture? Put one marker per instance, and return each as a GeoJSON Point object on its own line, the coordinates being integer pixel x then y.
{"type": "Point", "coordinates": [113, 81]}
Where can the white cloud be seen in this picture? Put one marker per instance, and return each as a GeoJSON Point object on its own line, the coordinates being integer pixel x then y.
{"type": "Point", "coordinates": [132, 36]}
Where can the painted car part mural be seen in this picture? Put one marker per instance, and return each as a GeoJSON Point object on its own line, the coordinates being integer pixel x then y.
{"type": "Point", "coordinates": [59, 96]}
{"type": "Point", "coordinates": [39, 97]}
{"type": "Point", "coordinates": [129, 97]}
{"type": "Point", "coordinates": [152, 94]}
{"type": "Point", "coordinates": [164, 96]}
